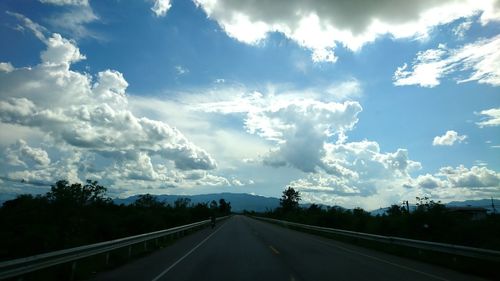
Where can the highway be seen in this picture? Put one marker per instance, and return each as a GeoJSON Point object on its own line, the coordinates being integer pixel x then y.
{"type": "Point", "coordinates": [242, 248]}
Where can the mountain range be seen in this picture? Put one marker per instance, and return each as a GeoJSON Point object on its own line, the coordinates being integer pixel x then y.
{"type": "Point", "coordinates": [482, 203]}
{"type": "Point", "coordinates": [244, 201]}
{"type": "Point", "coordinates": [239, 201]}
{"type": "Point", "coordinates": [257, 203]}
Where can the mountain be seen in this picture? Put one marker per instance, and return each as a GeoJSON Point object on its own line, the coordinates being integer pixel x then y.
{"type": "Point", "coordinates": [483, 203]}
{"type": "Point", "coordinates": [239, 201]}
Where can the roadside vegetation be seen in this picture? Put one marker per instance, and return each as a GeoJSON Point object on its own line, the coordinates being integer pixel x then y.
{"type": "Point", "coordinates": [77, 214]}
{"type": "Point", "coordinates": [430, 221]}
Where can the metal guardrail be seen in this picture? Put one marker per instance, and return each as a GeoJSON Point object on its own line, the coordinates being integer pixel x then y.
{"type": "Point", "coordinates": [459, 250]}
{"type": "Point", "coordinates": [22, 266]}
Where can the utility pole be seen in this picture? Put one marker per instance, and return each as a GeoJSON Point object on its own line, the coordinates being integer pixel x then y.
{"type": "Point", "coordinates": [407, 206]}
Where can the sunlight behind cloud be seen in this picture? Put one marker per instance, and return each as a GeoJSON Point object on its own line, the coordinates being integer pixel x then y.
{"type": "Point", "coordinates": [320, 26]}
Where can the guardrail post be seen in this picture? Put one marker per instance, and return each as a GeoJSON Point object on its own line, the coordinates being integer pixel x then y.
{"type": "Point", "coordinates": [129, 251]}
{"type": "Point", "coordinates": [145, 245]}
{"type": "Point", "coordinates": [107, 258]}
{"type": "Point", "coordinates": [73, 269]}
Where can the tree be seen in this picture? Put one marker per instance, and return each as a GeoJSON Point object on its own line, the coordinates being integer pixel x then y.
{"type": "Point", "coordinates": [148, 201]}
{"type": "Point", "coordinates": [182, 203]}
{"type": "Point", "coordinates": [213, 205]}
{"type": "Point", "coordinates": [424, 204]}
{"type": "Point", "coordinates": [395, 210]}
{"type": "Point", "coordinates": [77, 194]}
{"type": "Point", "coordinates": [224, 207]}
{"type": "Point", "coordinates": [290, 199]}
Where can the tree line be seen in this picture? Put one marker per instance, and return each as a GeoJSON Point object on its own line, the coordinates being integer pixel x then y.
{"type": "Point", "coordinates": [430, 220]}
{"type": "Point", "coordinates": [71, 215]}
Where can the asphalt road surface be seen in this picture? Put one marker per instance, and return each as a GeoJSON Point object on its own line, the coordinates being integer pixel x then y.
{"type": "Point", "coordinates": [242, 248]}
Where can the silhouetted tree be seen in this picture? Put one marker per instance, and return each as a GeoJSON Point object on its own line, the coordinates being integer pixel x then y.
{"type": "Point", "coordinates": [77, 194]}
{"type": "Point", "coordinates": [395, 210]}
{"type": "Point", "coordinates": [213, 205]}
{"type": "Point", "coordinates": [290, 199]}
{"type": "Point", "coordinates": [182, 203]}
{"type": "Point", "coordinates": [148, 201]}
{"type": "Point", "coordinates": [76, 214]}
{"type": "Point", "coordinates": [224, 207]}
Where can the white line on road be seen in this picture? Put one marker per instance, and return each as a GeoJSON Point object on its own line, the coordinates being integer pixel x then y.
{"type": "Point", "coordinates": [274, 250]}
{"type": "Point", "coordinates": [185, 256]}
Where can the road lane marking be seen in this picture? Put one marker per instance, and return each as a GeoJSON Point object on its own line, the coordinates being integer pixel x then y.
{"type": "Point", "coordinates": [382, 260]}
{"type": "Point", "coordinates": [185, 256]}
{"type": "Point", "coordinates": [274, 250]}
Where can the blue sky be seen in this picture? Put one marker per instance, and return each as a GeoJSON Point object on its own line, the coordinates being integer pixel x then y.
{"type": "Point", "coordinates": [357, 104]}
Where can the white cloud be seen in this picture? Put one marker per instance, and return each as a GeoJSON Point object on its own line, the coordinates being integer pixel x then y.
{"type": "Point", "coordinates": [300, 127]}
{"type": "Point", "coordinates": [462, 28]}
{"type": "Point", "coordinates": [60, 51]}
{"type": "Point", "coordinates": [428, 181]}
{"type": "Point", "coordinates": [346, 90]}
{"type": "Point", "coordinates": [37, 29]}
{"type": "Point", "coordinates": [181, 70]}
{"type": "Point", "coordinates": [449, 138]}
{"type": "Point", "coordinates": [322, 25]}
{"type": "Point", "coordinates": [75, 15]}
{"type": "Point", "coordinates": [475, 177]}
{"type": "Point", "coordinates": [66, 2]}
{"type": "Point", "coordinates": [478, 181]}
{"type": "Point", "coordinates": [84, 117]}
{"type": "Point", "coordinates": [310, 136]}
{"type": "Point", "coordinates": [6, 67]}
{"type": "Point", "coordinates": [75, 21]}
{"type": "Point", "coordinates": [491, 116]}
{"type": "Point", "coordinates": [480, 59]}
{"type": "Point", "coordinates": [161, 7]}
{"type": "Point", "coordinates": [21, 153]}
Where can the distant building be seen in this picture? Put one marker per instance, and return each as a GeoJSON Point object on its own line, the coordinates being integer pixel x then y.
{"type": "Point", "coordinates": [472, 213]}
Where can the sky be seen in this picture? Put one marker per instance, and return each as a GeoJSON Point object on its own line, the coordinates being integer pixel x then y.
{"type": "Point", "coordinates": [353, 103]}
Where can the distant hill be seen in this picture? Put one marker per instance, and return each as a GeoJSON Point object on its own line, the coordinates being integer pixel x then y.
{"type": "Point", "coordinates": [483, 203]}
{"type": "Point", "coordinates": [239, 201]}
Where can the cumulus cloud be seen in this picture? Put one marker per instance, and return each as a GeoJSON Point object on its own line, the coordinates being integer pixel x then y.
{"type": "Point", "coordinates": [84, 116]}
{"type": "Point", "coordinates": [161, 7]}
{"type": "Point", "coordinates": [428, 181]}
{"type": "Point", "coordinates": [60, 51]}
{"type": "Point", "coordinates": [491, 118]}
{"type": "Point", "coordinates": [358, 167]}
{"type": "Point", "coordinates": [21, 153]}
{"type": "Point", "coordinates": [476, 182]}
{"type": "Point", "coordinates": [480, 59]}
{"type": "Point", "coordinates": [6, 67]}
{"type": "Point", "coordinates": [475, 177]}
{"type": "Point", "coordinates": [449, 138]}
{"type": "Point", "coordinates": [299, 127]}
{"type": "Point", "coordinates": [321, 25]}
{"type": "Point", "coordinates": [309, 135]}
